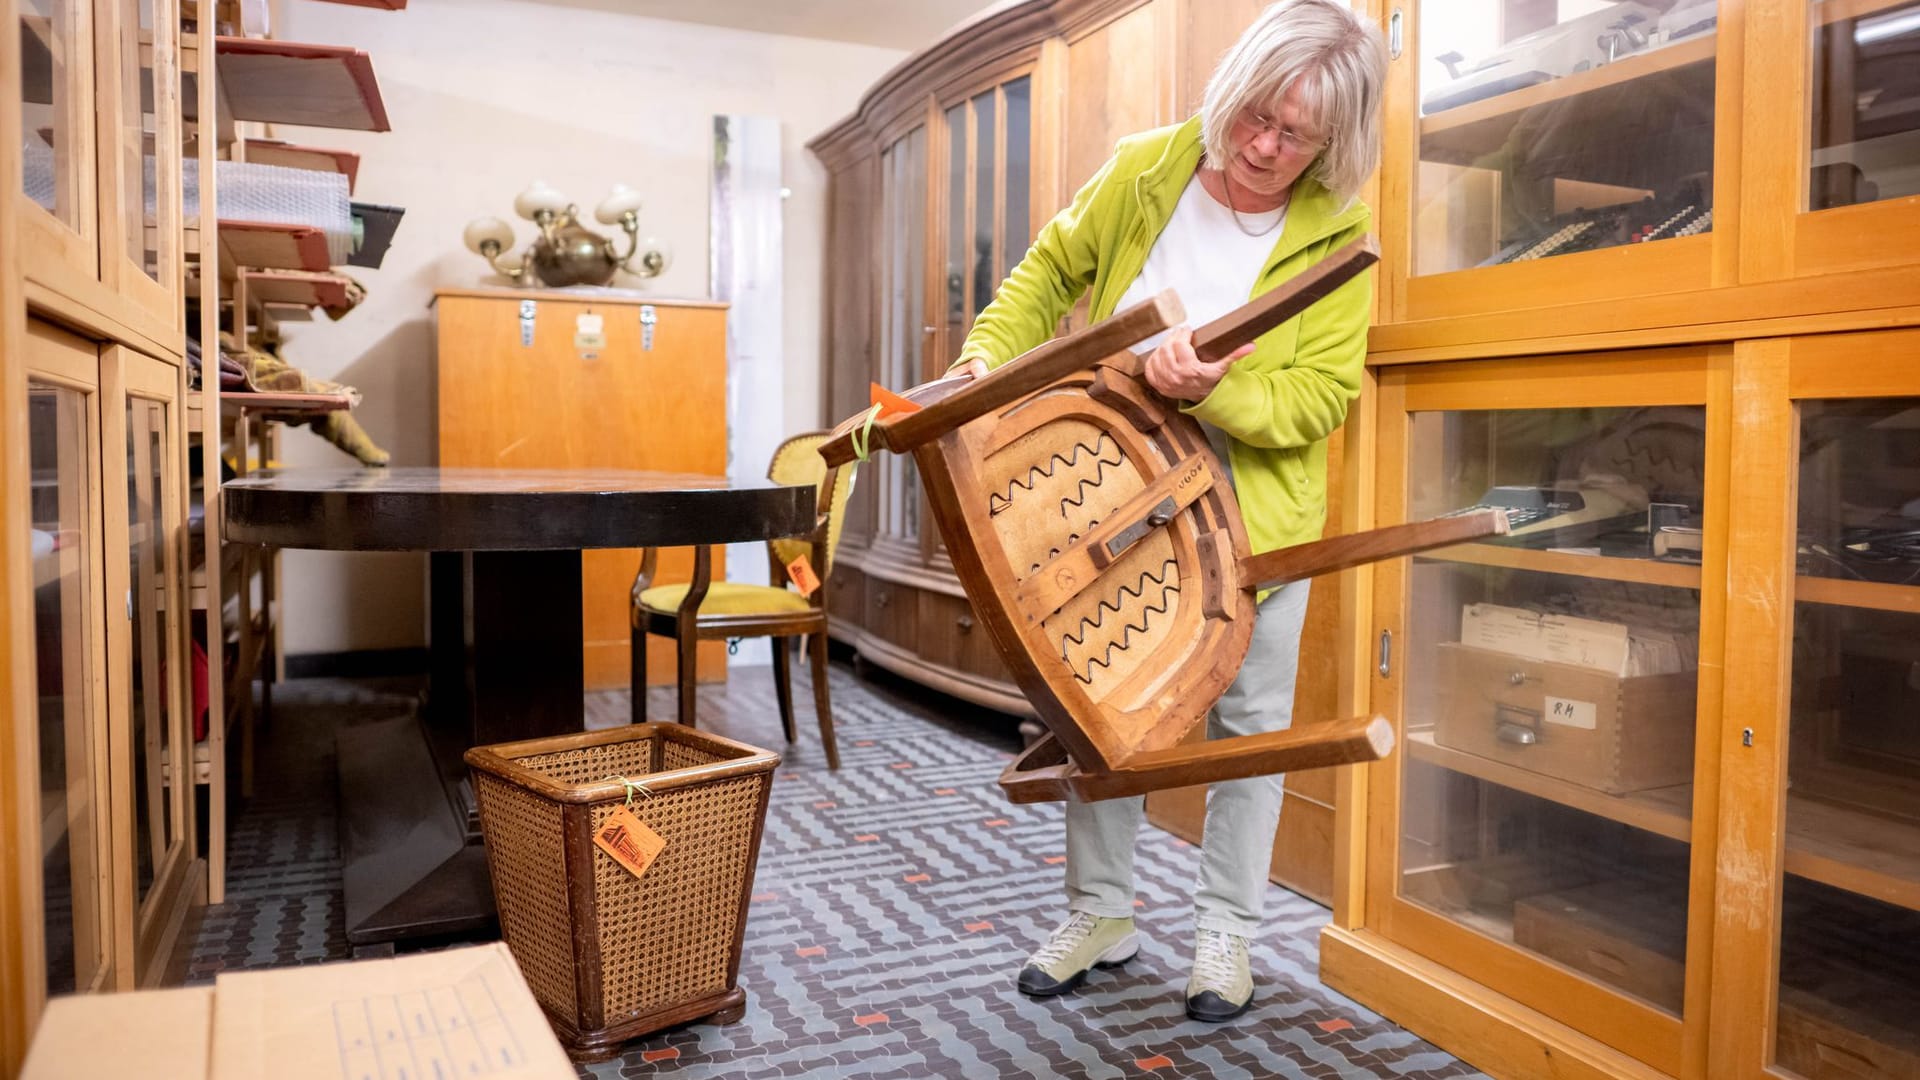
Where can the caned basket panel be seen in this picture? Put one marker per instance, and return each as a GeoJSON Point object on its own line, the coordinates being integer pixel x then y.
{"type": "Point", "coordinates": [526, 852]}
{"type": "Point", "coordinates": [667, 937]}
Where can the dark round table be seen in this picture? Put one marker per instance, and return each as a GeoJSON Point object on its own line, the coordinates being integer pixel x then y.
{"type": "Point", "coordinates": [506, 660]}
{"type": "Point", "coordinates": [504, 509]}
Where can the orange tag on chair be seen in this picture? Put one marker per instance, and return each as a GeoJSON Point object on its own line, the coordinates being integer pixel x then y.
{"type": "Point", "coordinates": [629, 841]}
{"type": "Point", "coordinates": [801, 571]}
{"type": "Point", "coordinates": [891, 404]}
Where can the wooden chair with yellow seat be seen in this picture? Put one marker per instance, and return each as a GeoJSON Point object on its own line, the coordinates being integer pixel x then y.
{"type": "Point", "coordinates": [706, 610]}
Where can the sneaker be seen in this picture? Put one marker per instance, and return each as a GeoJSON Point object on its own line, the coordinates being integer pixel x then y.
{"type": "Point", "coordinates": [1083, 942]}
{"type": "Point", "coordinates": [1221, 987]}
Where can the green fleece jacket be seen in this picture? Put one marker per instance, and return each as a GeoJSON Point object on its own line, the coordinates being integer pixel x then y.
{"type": "Point", "coordinates": [1278, 404]}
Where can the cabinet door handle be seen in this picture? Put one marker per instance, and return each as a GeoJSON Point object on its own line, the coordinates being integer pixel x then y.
{"type": "Point", "coordinates": [648, 319]}
{"type": "Point", "coordinates": [1396, 33]}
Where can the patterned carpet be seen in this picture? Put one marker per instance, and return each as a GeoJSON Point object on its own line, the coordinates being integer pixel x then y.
{"type": "Point", "coordinates": [894, 902]}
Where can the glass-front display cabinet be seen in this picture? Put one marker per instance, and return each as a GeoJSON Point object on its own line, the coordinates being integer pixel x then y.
{"type": "Point", "coordinates": [1860, 147]}
{"type": "Point", "coordinates": [1847, 1000]}
{"type": "Point", "coordinates": [1547, 684]}
{"type": "Point", "coordinates": [151, 748]}
{"type": "Point", "coordinates": [140, 157]}
{"type": "Point", "coordinates": [100, 158]}
{"type": "Point", "coordinates": [903, 325]}
{"type": "Point", "coordinates": [1556, 147]}
{"type": "Point", "coordinates": [69, 670]}
{"type": "Point", "coordinates": [58, 205]}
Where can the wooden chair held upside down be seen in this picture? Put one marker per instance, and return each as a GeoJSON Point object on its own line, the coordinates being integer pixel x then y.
{"type": "Point", "coordinates": [1096, 534]}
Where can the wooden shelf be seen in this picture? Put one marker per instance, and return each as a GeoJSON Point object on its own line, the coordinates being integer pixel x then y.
{"type": "Point", "coordinates": [277, 405]}
{"type": "Point", "coordinates": [311, 158]}
{"type": "Point", "coordinates": [1665, 811]}
{"type": "Point", "coordinates": [1467, 133]}
{"type": "Point", "coordinates": [1842, 592]}
{"type": "Point", "coordinates": [1641, 571]}
{"type": "Point", "coordinates": [268, 246]}
{"type": "Point", "coordinates": [288, 82]}
{"type": "Point", "coordinates": [1835, 845]}
{"type": "Point", "coordinates": [301, 288]}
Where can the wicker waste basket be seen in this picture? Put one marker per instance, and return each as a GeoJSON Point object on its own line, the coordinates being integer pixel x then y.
{"type": "Point", "coordinates": [609, 955]}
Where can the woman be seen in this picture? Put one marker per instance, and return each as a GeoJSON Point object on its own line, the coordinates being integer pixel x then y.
{"type": "Point", "coordinates": [1258, 187]}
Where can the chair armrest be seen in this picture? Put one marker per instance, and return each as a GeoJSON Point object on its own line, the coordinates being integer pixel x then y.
{"type": "Point", "coordinates": [642, 581]}
{"type": "Point", "coordinates": [697, 587]}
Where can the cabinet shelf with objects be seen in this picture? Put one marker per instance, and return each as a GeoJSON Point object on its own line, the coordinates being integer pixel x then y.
{"type": "Point", "coordinates": [1591, 167]}
{"type": "Point", "coordinates": [1647, 274]}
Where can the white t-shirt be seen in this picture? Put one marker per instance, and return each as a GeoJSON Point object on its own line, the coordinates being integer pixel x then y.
{"type": "Point", "coordinates": [1213, 263]}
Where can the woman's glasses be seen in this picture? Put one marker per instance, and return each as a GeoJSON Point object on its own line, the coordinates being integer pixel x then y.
{"type": "Point", "coordinates": [1292, 141]}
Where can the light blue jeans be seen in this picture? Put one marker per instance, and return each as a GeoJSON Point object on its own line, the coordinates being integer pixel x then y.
{"type": "Point", "coordinates": [1237, 847]}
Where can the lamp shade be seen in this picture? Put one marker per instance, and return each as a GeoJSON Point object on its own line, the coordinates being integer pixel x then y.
{"type": "Point", "coordinates": [536, 198]}
{"type": "Point", "coordinates": [481, 230]}
{"type": "Point", "coordinates": [620, 202]}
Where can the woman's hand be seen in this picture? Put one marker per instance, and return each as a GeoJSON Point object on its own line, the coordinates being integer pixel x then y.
{"type": "Point", "coordinates": [975, 367]}
{"type": "Point", "coordinates": [1176, 371]}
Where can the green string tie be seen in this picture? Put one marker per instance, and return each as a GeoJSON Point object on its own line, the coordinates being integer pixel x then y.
{"type": "Point", "coordinates": [862, 436]}
{"type": "Point", "coordinates": [631, 786]}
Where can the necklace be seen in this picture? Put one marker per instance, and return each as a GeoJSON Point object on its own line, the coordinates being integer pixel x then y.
{"type": "Point", "coordinates": [1226, 194]}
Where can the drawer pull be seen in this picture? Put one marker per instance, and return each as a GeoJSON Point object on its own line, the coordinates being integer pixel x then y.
{"type": "Point", "coordinates": [965, 623]}
{"type": "Point", "coordinates": [1517, 734]}
{"type": "Point", "coordinates": [880, 599]}
{"type": "Point", "coordinates": [1516, 727]}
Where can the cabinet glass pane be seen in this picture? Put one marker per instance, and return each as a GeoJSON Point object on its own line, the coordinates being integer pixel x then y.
{"type": "Point", "coordinates": [139, 135]}
{"type": "Point", "coordinates": [903, 319]}
{"type": "Point", "coordinates": [149, 640]}
{"type": "Point", "coordinates": [1550, 128]}
{"type": "Point", "coordinates": [984, 280]}
{"type": "Point", "coordinates": [1550, 687]}
{"type": "Point", "coordinates": [1014, 229]}
{"type": "Point", "coordinates": [957, 247]}
{"type": "Point", "coordinates": [51, 111]}
{"type": "Point", "coordinates": [63, 678]}
{"type": "Point", "coordinates": [1850, 922]}
{"type": "Point", "coordinates": [1865, 84]}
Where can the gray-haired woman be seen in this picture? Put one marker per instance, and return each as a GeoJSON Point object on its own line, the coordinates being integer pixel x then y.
{"type": "Point", "coordinates": [1258, 187]}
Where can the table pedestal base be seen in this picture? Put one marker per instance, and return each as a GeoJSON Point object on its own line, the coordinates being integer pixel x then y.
{"type": "Point", "coordinates": [506, 665]}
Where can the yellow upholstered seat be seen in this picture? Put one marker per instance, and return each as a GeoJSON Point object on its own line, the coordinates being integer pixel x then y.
{"type": "Point", "coordinates": [731, 610]}
{"type": "Point", "coordinates": [726, 598]}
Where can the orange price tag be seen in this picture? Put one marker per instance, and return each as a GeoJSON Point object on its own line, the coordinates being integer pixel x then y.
{"type": "Point", "coordinates": [801, 571]}
{"type": "Point", "coordinates": [891, 404]}
{"type": "Point", "coordinates": [629, 841]}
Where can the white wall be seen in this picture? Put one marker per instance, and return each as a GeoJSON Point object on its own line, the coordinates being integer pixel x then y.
{"type": "Point", "coordinates": [485, 95]}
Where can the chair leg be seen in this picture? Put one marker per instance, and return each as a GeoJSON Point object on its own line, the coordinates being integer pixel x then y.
{"type": "Point", "coordinates": [689, 659]}
{"type": "Point", "coordinates": [817, 651]}
{"type": "Point", "coordinates": [638, 652]}
{"type": "Point", "coordinates": [783, 684]}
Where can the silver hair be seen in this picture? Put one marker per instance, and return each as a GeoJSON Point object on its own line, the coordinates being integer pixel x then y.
{"type": "Point", "coordinates": [1338, 63]}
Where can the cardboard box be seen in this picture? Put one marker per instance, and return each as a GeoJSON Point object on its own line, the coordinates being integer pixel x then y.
{"type": "Point", "coordinates": [459, 1012]}
{"type": "Point", "coordinates": [154, 1033]}
{"type": "Point", "coordinates": [1575, 723]}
